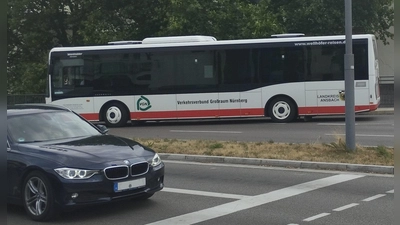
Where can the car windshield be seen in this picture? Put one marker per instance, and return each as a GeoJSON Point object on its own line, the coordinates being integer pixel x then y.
{"type": "Point", "coordinates": [47, 126]}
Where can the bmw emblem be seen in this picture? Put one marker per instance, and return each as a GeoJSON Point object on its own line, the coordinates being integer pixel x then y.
{"type": "Point", "coordinates": [126, 161]}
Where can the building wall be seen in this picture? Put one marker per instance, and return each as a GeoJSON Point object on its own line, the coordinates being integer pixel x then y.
{"type": "Point", "coordinates": [386, 60]}
{"type": "Point", "coordinates": [386, 70]}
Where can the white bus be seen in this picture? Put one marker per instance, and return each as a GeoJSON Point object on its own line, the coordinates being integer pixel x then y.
{"type": "Point", "coordinates": [284, 77]}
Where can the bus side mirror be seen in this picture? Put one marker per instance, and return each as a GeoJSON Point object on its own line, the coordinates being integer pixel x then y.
{"type": "Point", "coordinates": [103, 129]}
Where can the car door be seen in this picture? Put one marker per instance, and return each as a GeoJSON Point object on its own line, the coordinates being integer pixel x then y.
{"type": "Point", "coordinates": [14, 171]}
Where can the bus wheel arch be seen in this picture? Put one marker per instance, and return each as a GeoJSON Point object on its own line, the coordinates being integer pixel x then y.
{"type": "Point", "coordinates": [281, 108]}
{"type": "Point", "coordinates": [114, 114]}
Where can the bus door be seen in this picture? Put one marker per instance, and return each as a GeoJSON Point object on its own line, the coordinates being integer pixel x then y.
{"type": "Point", "coordinates": [362, 66]}
{"type": "Point", "coordinates": [69, 86]}
{"type": "Point", "coordinates": [160, 102]}
{"type": "Point", "coordinates": [240, 92]}
{"type": "Point", "coordinates": [196, 84]}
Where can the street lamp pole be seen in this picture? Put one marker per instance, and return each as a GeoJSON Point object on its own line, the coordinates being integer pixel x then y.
{"type": "Point", "coordinates": [349, 79]}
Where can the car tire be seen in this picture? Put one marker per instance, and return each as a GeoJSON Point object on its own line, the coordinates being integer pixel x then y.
{"type": "Point", "coordinates": [115, 115]}
{"type": "Point", "coordinates": [39, 197]}
{"type": "Point", "coordinates": [282, 110]}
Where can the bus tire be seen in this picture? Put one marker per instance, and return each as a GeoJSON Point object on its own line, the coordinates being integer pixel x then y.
{"type": "Point", "coordinates": [282, 109]}
{"type": "Point", "coordinates": [115, 115]}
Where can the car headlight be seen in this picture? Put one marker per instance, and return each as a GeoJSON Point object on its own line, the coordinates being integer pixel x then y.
{"type": "Point", "coordinates": [156, 160]}
{"type": "Point", "coordinates": [70, 173]}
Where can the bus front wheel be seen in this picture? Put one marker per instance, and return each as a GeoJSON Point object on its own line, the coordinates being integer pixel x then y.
{"type": "Point", "coordinates": [115, 115]}
{"type": "Point", "coordinates": [282, 109]}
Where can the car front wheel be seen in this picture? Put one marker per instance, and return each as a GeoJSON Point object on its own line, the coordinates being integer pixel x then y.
{"type": "Point", "coordinates": [38, 197]}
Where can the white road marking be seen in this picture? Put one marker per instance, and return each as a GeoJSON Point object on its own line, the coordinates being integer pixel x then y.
{"type": "Point", "coordinates": [373, 197]}
{"type": "Point", "coordinates": [346, 207]}
{"type": "Point", "coordinates": [364, 135]}
{"type": "Point", "coordinates": [253, 201]}
{"type": "Point", "coordinates": [293, 224]}
{"type": "Point", "coordinates": [206, 131]}
{"type": "Point", "coordinates": [316, 217]}
{"type": "Point", "coordinates": [390, 192]}
{"type": "Point", "coordinates": [204, 193]}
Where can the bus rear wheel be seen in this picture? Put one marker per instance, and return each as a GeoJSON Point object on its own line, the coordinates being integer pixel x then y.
{"type": "Point", "coordinates": [282, 109]}
{"type": "Point", "coordinates": [115, 115]}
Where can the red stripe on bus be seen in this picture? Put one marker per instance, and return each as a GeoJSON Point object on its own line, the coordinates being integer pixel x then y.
{"type": "Point", "coordinates": [334, 109]}
{"type": "Point", "coordinates": [216, 113]}
{"type": "Point", "coordinates": [90, 116]}
{"type": "Point", "coordinates": [373, 107]}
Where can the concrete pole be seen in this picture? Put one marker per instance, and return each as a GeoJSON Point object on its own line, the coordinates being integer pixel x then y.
{"type": "Point", "coordinates": [349, 79]}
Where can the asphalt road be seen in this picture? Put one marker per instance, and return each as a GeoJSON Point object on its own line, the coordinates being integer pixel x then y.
{"type": "Point", "coordinates": [230, 194]}
{"type": "Point", "coordinates": [370, 130]}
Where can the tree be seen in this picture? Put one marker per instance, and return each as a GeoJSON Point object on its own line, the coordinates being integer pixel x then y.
{"type": "Point", "coordinates": [325, 17]}
{"type": "Point", "coordinates": [223, 19]}
{"type": "Point", "coordinates": [122, 20]}
{"type": "Point", "coordinates": [34, 27]}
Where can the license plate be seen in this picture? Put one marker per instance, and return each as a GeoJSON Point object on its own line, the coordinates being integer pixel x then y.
{"type": "Point", "coordinates": [131, 184]}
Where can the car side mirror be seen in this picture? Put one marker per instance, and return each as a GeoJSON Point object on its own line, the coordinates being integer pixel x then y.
{"type": "Point", "coordinates": [103, 129]}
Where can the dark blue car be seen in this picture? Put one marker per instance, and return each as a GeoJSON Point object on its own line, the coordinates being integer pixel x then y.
{"type": "Point", "coordinates": [57, 160]}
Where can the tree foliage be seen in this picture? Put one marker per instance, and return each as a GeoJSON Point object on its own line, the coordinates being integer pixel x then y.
{"type": "Point", "coordinates": [36, 26]}
{"type": "Point", "coordinates": [321, 17]}
{"type": "Point", "coordinates": [223, 19]}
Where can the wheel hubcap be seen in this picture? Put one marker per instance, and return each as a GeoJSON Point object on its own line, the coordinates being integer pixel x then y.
{"type": "Point", "coordinates": [36, 196]}
{"type": "Point", "coordinates": [281, 110]}
{"type": "Point", "coordinates": [114, 115]}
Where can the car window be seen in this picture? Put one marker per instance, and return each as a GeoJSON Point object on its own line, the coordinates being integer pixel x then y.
{"type": "Point", "coordinates": [48, 126]}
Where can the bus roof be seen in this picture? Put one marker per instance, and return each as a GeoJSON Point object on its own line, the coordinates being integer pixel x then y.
{"type": "Point", "coordinates": [199, 40]}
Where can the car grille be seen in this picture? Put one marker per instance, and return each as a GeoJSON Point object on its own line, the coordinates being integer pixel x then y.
{"type": "Point", "coordinates": [139, 168]}
{"type": "Point", "coordinates": [124, 171]}
{"type": "Point", "coordinates": [116, 172]}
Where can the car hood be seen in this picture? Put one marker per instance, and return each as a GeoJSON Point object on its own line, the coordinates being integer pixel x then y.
{"type": "Point", "coordinates": [98, 151]}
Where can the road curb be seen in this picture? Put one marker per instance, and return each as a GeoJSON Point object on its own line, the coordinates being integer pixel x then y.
{"type": "Point", "coordinates": [280, 163]}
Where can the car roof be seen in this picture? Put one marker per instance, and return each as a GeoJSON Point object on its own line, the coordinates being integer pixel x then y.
{"type": "Point", "coordinates": [20, 109]}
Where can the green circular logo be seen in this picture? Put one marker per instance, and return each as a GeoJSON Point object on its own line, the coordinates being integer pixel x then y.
{"type": "Point", "coordinates": [143, 104]}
